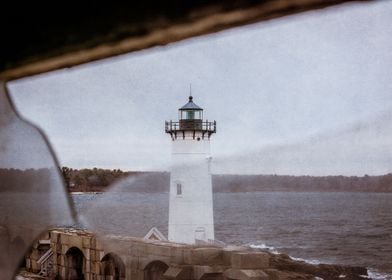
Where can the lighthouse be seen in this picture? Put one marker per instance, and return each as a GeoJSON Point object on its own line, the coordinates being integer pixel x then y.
{"type": "Point", "coordinates": [191, 218]}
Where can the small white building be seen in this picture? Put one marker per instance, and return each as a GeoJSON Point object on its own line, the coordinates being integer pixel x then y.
{"type": "Point", "coordinates": [191, 217]}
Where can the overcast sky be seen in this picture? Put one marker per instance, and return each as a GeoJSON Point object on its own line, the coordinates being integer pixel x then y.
{"type": "Point", "coordinates": [306, 94]}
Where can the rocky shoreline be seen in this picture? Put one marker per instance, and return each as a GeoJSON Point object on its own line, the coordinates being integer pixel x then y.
{"type": "Point", "coordinates": [287, 268]}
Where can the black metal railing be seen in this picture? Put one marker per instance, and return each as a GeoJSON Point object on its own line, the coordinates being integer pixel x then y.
{"type": "Point", "coordinates": [191, 125]}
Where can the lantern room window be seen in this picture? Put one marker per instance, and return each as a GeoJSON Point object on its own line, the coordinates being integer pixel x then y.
{"type": "Point", "coordinates": [191, 115]}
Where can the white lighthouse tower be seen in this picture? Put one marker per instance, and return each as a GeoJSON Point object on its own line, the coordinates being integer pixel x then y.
{"type": "Point", "coordinates": [191, 216]}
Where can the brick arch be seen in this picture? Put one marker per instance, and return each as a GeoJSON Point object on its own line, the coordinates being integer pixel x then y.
{"type": "Point", "coordinates": [112, 267]}
{"type": "Point", "coordinates": [155, 270]}
{"type": "Point", "coordinates": [75, 263]}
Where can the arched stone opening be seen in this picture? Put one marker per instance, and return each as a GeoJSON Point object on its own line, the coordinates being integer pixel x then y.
{"type": "Point", "coordinates": [112, 267]}
{"type": "Point", "coordinates": [155, 270]}
{"type": "Point", "coordinates": [74, 264]}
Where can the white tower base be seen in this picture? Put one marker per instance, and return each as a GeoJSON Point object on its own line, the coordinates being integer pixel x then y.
{"type": "Point", "coordinates": [191, 206]}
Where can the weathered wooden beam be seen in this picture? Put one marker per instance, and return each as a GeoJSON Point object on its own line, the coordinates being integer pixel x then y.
{"type": "Point", "coordinates": [36, 41]}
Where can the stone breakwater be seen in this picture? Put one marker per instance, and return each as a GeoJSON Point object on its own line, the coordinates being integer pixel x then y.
{"type": "Point", "coordinates": [75, 254]}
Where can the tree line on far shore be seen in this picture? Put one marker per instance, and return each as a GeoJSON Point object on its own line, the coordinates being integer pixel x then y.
{"type": "Point", "coordinates": [251, 183]}
{"type": "Point", "coordinates": [97, 179]}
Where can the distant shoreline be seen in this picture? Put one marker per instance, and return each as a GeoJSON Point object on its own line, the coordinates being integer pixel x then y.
{"type": "Point", "coordinates": [159, 182]}
{"type": "Point", "coordinates": [76, 193]}
{"type": "Point", "coordinates": [99, 180]}
{"type": "Point", "coordinates": [228, 192]}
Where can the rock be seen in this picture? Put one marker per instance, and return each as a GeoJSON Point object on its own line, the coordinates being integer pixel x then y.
{"type": "Point", "coordinates": [275, 274]}
{"type": "Point", "coordinates": [323, 271]}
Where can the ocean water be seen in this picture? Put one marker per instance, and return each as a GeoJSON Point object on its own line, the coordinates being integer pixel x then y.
{"type": "Point", "coordinates": [340, 228]}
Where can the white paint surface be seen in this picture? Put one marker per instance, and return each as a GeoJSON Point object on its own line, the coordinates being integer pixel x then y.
{"type": "Point", "coordinates": [191, 212]}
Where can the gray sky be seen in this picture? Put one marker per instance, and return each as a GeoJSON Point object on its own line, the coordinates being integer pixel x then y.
{"type": "Point", "coordinates": [306, 94]}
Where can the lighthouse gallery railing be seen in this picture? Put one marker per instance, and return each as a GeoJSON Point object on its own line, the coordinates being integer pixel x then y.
{"type": "Point", "coordinates": [177, 129]}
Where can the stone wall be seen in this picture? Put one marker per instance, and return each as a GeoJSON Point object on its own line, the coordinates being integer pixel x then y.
{"type": "Point", "coordinates": [78, 254]}
{"type": "Point", "coordinates": [74, 248]}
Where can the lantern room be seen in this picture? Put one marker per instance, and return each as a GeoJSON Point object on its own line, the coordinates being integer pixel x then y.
{"type": "Point", "coordinates": [190, 116]}
{"type": "Point", "coordinates": [190, 111]}
{"type": "Point", "coordinates": [190, 124]}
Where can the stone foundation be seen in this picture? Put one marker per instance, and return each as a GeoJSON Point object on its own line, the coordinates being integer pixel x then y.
{"type": "Point", "coordinates": [79, 254]}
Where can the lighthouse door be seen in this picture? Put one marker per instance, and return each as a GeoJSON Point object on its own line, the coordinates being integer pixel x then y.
{"type": "Point", "coordinates": [200, 234]}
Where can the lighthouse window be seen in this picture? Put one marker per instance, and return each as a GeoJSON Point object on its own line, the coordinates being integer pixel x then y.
{"type": "Point", "coordinates": [179, 189]}
{"type": "Point", "coordinates": [190, 115]}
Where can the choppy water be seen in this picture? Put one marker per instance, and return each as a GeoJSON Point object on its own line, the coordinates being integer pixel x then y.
{"type": "Point", "coordinates": [342, 228]}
